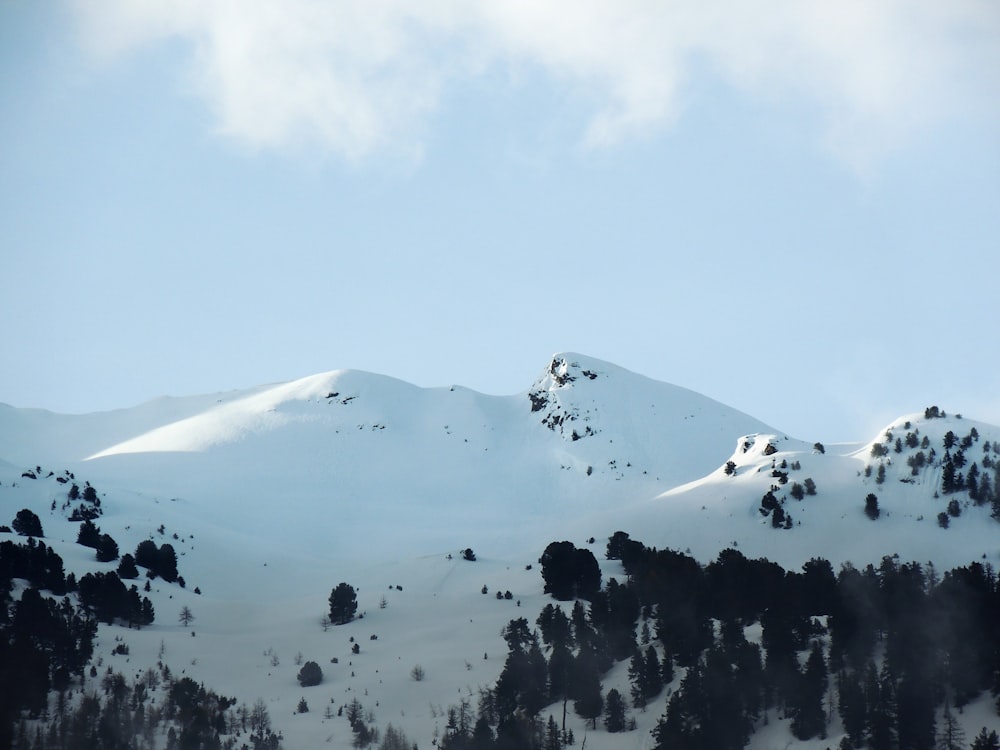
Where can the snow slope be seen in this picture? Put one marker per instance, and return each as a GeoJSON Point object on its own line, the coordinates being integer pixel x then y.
{"type": "Point", "coordinates": [273, 495]}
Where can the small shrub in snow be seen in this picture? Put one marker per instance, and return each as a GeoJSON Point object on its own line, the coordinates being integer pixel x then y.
{"type": "Point", "coordinates": [417, 673]}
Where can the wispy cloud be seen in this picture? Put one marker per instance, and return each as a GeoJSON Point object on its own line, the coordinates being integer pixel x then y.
{"type": "Point", "coordinates": [358, 76]}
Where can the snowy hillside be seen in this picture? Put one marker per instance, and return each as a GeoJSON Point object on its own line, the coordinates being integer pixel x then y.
{"type": "Point", "coordinates": [274, 495]}
{"type": "Point", "coordinates": [376, 463]}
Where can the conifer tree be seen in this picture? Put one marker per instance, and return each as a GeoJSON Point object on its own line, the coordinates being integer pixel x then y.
{"type": "Point", "coordinates": [588, 701]}
{"type": "Point", "coordinates": [343, 604]}
{"type": "Point", "coordinates": [951, 735]}
{"type": "Point", "coordinates": [986, 740]}
{"type": "Point", "coordinates": [882, 712]}
{"type": "Point", "coordinates": [637, 677]}
{"type": "Point", "coordinates": [810, 717]}
{"type": "Point", "coordinates": [852, 706]}
{"type": "Point", "coordinates": [614, 711]}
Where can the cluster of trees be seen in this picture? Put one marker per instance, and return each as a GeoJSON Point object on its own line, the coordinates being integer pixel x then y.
{"type": "Point", "coordinates": [114, 713]}
{"type": "Point", "coordinates": [960, 472]}
{"type": "Point", "coordinates": [44, 644]}
{"type": "Point", "coordinates": [982, 485]}
{"type": "Point", "coordinates": [106, 597]}
{"type": "Point", "coordinates": [90, 535]}
{"type": "Point", "coordinates": [887, 647]}
{"type": "Point", "coordinates": [159, 561]}
{"type": "Point", "coordinates": [361, 721]}
{"type": "Point", "coordinates": [36, 563]}
{"type": "Point", "coordinates": [938, 637]}
{"type": "Point", "coordinates": [90, 506]}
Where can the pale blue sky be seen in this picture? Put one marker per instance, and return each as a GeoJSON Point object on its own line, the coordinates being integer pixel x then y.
{"type": "Point", "coordinates": [796, 214]}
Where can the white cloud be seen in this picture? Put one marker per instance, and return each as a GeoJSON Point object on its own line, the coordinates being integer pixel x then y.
{"type": "Point", "coordinates": [357, 76]}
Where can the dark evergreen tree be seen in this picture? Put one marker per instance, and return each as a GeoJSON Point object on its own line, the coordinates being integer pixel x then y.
{"type": "Point", "coordinates": [852, 706]}
{"type": "Point", "coordinates": [147, 554]}
{"type": "Point", "coordinates": [88, 535]}
{"type": "Point", "coordinates": [614, 711]}
{"type": "Point", "coordinates": [126, 567]}
{"type": "Point", "coordinates": [553, 737]}
{"type": "Point", "coordinates": [107, 549]}
{"type": "Point", "coordinates": [570, 572]}
{"type": "Point", "coordinates": [881, 711]}
{"type": "Point", "coordinates": [343, 604]}
{"type": "Point", "coordinates": [809, 715]}
{"type": "Point", "coordinates": [915, 711]}
{"type": "Point", "coordinates": [311, 674]}
{"type": "Point", "coordinates": [948, 476]}
{"type": "Point", "coordinates": [637, 677]}
{"type": "Point", "coordinates": [652, 681]}
{"type": "Point", "coordinates": [166, 563]}
{"type": "Point", "coordinates": [871, 506]}
{"type": "Point", "coordinates": [555, 627]}
{"type": "Point", "coordinates": [26, 523]}
{"type": "Point", "coordinates": [586, 687]}
{"type": "Point", "coordinates": [951, 736]}
{"type": "Point", "coordinates": [986, 740]}
{"type": "Point", "coordinates": [707, 711]}
{"type": "Point", "coordinates": [616, 545]}
{"type": "Point", "coordinates": [560, 669]}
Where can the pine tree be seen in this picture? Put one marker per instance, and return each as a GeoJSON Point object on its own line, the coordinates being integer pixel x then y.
{"type": "Point", "coordinates": [614, 711]}
{"type": "Point", "coordinates": [343, 604]}
{"type": "Point", "coordinates": [652, 681]}
{"type": "Point", "coordinates": [947, 476]}
{"type": "Point", "coordinates": [915, 709]}
{"type": "Point", "coordinates": [588, 701]}
{"type": "Point", "coordinates": [553, 738]}
{"type": "Point", "coordinates": [637, 679]}
{"type": "Point", "coordinates": [107, 549]}
{"type": "Point", "coordinates": [88, 535]}
{"type": "Point", "coordinates": [126, 567]}
{"type": "Point", "coordinates": [853, 707]}
{"type": "Point", "coordinates": [871, 506]}
{"type": "Point", "coordinates": [951, 736]}
{"type": "Point", "coordinates": [986, 740]}
{"type": "Point", "coordinates": [810, 718]}
{"type": "Point", "coordinates": [882, 712]}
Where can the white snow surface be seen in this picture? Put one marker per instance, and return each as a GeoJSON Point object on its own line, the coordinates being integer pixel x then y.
{"type": "Point", "coordinates": [274, 495]}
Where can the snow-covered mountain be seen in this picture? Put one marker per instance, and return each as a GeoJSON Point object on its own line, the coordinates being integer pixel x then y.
{"type": "Point", "coordinates": [273, 495]}
{"type": "Point", "coordinates": [376, 463]}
